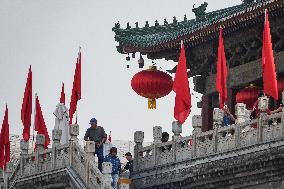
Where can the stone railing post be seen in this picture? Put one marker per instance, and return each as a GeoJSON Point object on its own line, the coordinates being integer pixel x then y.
{"type": "Point", "coordinates": [242, 115]}
{"type": "Point", "coordinates": [138, 139]}
{"type": "Point", "coordinates": [262, 107]}
{"type": "Point", "coordinates": [218, 115]}
{"type": "Point", "coordinates": [196, 124]}
{"type": "Point", "coordinates": [56, 137]}
{"type": "Point", "coordinates": [177, 130]}
{"type": "Point", "coordinates": [74, 132]}
{"type": "Point", "coordinates": [24, 152]}
{"type": "Point", "coordinates": [90, 149]}
{"type": "Point", "coordinates": [157, 135]}
{"type": "Point", "coordinates": [40, 140]}
{"type": "Point", "coordinates": [240, 112]}
{"type": "Point", "coordinates": [107, 169]}
{"type": "Point", "coordinates": [8, 172]}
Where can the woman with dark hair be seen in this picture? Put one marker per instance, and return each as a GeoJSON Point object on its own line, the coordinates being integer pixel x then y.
{"type": "Point", "coordinates": [116, 166]}
{"type": "Point", "coordinates": [165, 138]}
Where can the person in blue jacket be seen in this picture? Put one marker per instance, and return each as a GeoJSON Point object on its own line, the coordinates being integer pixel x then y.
{"type": "Point", "coordinates": [116, 166]}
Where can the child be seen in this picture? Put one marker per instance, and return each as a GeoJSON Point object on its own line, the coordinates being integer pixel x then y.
{"type": "Point", "coordinates": [116, 165]}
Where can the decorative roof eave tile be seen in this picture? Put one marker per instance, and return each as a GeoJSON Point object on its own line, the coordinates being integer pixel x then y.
{"type": "Point", "coordinates": [202, 32]}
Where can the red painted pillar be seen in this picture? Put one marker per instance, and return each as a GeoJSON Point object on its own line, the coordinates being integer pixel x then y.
{"type": "Point", "coordinates": [231, 101]}
{"type": "Point", "coordinates": [207, 113]}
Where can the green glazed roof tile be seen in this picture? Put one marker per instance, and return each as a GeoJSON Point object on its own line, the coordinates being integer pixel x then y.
{"type": "Point", "coordinates": [155, 35]}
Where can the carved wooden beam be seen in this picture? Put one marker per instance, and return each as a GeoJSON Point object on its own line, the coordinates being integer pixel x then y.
{"type": "Point", "coordinates": [243, 75]}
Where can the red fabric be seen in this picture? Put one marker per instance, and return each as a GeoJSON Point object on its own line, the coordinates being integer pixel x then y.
{"type": "Point", "coordinates": [222, 72]}
{"type": "Point", "coordinates": [4, 142]}
{"type": "Point", "coordinates": [26, 110]}
{"type": "Point", "coordinates": [62, 97]}
{"type": "Point", "coordinates": [247, 96]}
{"type": "Point", "coordinates": [190, 142]}
{"type": "Point", "coordinates": [152, 83]}
{"type": "Point", "coordinates": [40, 126]}
{"type": "Point", "coordinates": [76, 90]}
{"type": "Point", "coordinates": [268, 66]}
{"type": "Point", "coordinates": [182, 90]}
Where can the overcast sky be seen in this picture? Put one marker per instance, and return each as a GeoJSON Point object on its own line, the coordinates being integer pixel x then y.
{"type": "Point", "coordinates": [47, 34]}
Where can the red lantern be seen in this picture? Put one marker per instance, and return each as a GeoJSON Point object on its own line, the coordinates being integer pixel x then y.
{"type": "Point", "coordinates": [247, 96]}
{"type": "Point", "coordinates": [152, 84]}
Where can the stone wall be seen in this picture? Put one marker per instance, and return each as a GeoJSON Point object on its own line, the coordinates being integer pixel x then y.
{"type": "Point", "coordinates": [247, 154]}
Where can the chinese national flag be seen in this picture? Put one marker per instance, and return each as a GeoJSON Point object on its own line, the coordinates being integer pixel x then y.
{"type": "Point", "coordinates": [221, 76]}
{"type": "Point", "coordinates": [268, 66]}
{"type": "Point", "coordinates": [182, 90]}
{"type": "Point", "coordinates": [40, 126]}
{"type": "Point", "coordinates": [26, 110]}
{"type": "Point", "coordinates": [4, 142]}
{"type": "Point", "coordinates": [76, 90]}
{"type": "Point", "coordinates": [62, 97]}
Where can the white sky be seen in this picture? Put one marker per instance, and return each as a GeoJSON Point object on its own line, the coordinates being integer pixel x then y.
{"type": "Point", "coordinates": [47, 33]}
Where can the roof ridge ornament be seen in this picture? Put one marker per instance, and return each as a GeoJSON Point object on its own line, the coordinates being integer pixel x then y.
{"type": "Point", "coordinates": [200, 11]}
{"type": "Point", "coordinates": [146, 24]}
{"type": "Point", "coordinates": [175, 20]}
{"type": "Point", "coordinates": [117, 25]}
{"type": "Point", "coordinates": [128, 26]}
{"type": "Point", "coordinates": [156, 23]}
{"type": "Point", "coordinates": [184, 18]}
{"type": "Point", "coordinates": [165, 22]}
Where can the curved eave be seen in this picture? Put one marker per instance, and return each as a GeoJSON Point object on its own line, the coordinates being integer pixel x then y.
{"type": "Point", "coordinates": [206, 32]}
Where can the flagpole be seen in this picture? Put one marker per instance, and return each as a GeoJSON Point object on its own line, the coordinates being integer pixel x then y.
{"type": "Point", "coordinates": [34, 122]}
{"type": "Point", "coordinates": [3, 170]}
{"type": "Point", "coordinates": [76, 116]}
{"type": "Point", "coordinates": [76, 93]}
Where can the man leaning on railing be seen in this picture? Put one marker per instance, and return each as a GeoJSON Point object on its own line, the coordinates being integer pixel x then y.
{"type": "Point", "coordinates": [97, 134]}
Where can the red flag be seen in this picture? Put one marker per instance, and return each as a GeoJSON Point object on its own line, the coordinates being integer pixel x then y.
{"type": "Point", "coordinates": [109, 137]}
{"type": "Point", "coordinates": [40, 126]}
{"type": "Point", "coordinates": [182, 90]}
{"type": "Point", "coordinates": [62, 97]}
{"type": "Point", "coordinates": [76, 90]}
{"type": "Point", "coordinates": [268, 66]}
{"type": "Point", "coordinates": [26, 110]}
{"type": "Point", "coordinates": [4, 142]}
{"type": "Point", "coordinates": [221, 76]}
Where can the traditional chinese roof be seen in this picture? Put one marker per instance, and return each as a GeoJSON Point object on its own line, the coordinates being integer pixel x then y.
{"type": "Point", "coordinates": [155, 39]}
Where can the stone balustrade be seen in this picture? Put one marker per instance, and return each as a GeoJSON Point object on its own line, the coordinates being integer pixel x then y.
{"type": "Point", "coordinates": [245, 133]}
{"type": "Point", "coordinates": [70, 157]}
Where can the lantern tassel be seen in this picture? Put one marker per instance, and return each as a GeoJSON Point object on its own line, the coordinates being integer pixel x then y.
{"type": "Point", "coordinates": [151, 103]}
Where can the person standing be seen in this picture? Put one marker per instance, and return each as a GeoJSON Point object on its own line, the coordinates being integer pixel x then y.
{"type": "Point", "coordinates": [97, 134]}
{"type": "Point", "coordinates": [129, 164]}
{"type": "Point", "coordinates": [228, 118]}
{"type": "Point", "coordinates": [116, 166]}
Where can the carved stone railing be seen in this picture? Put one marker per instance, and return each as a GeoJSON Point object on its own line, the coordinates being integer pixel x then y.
{"type": "Point", "coordinates": [60, 157]}
{"type": "Point", "coordinates": [161, 153]}
{"type": "Point", "coordinates": [245, 133]}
